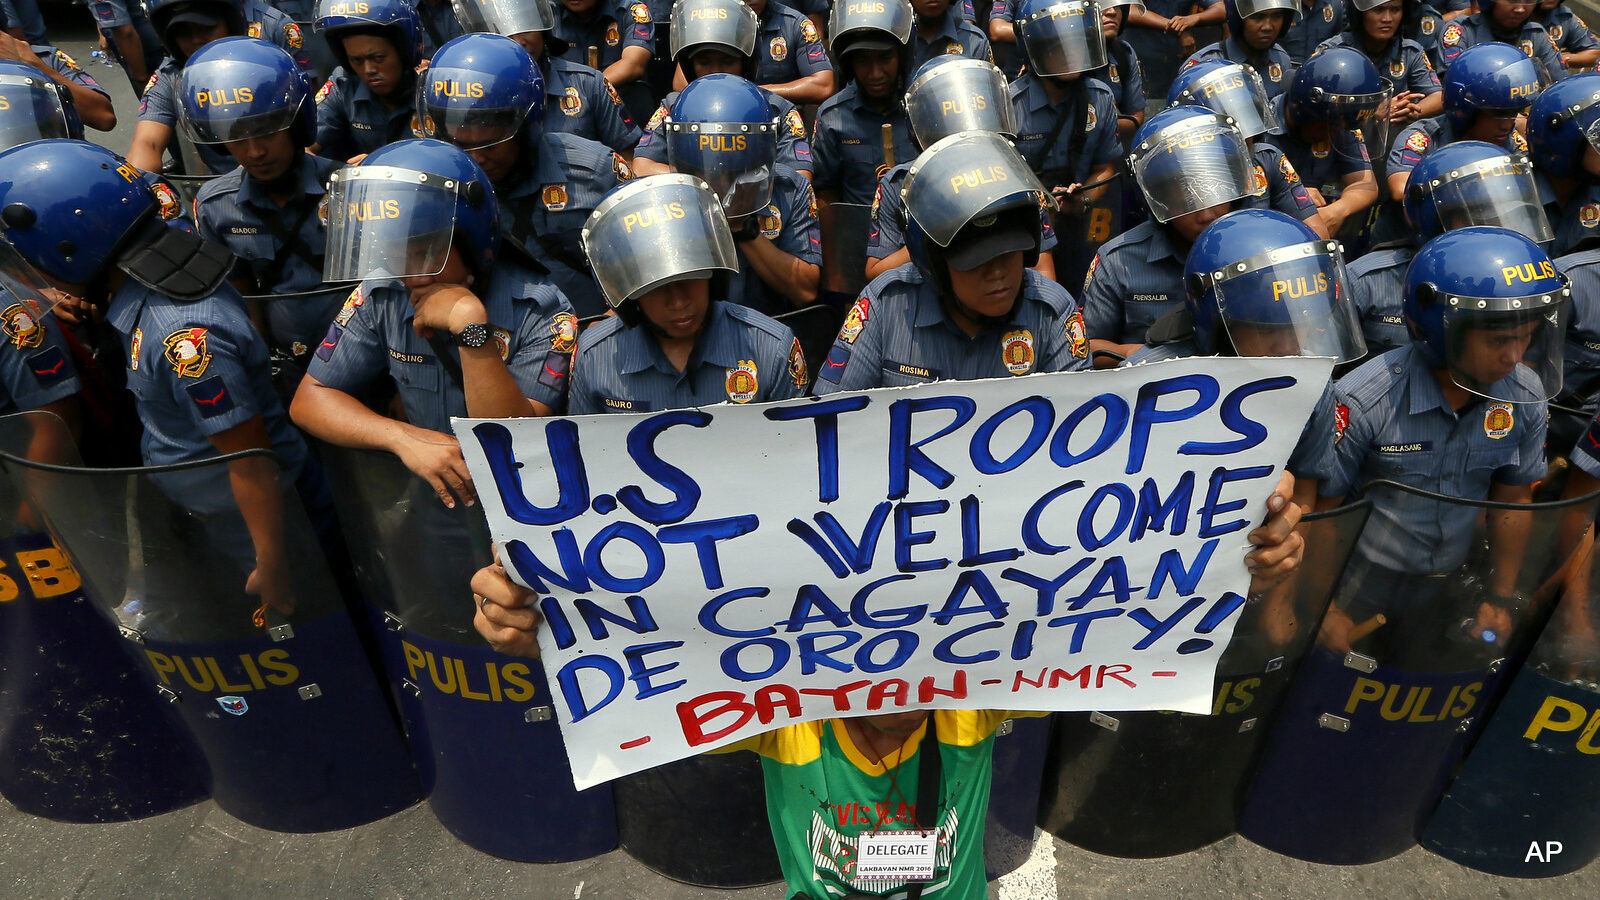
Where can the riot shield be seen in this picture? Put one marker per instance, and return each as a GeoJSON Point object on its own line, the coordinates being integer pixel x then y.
{"type": "Point", "coordinates": [1150, 784]}
{"type": "Point", "coordinates": [1020, 746]}
{"type": "Point", "coordinates": [1405, 669]}
{"type": "Point", "coordinates": [1523, 804]}
{"type": "Point", "coordinates": [701, 820]}
{"type": "Point", "coordinates": [481, 725]}
{"type": "Point", "coordinates": [280, 696]}
{"type": "Point", "coordinates": [845, 230]}
{"type": "Point", "coordinates": [83, 738]}
{"type": "Point", "coordinates": [1079, 234]}
{"type": "Point", "coordinates": [815, 327]}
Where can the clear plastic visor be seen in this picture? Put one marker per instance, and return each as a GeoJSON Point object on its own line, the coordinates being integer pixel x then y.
{"type": "Point", "coordinates": [1065, 38]}
{"type": "Point", "coordinates": [351, 10]}
{"type": "Point", "coordinates": [1234, 91]}
{"type": "Point", "coordinates": [1192, 165]}
{"type": "Point", "coordinates": [959, 177]}
{"type": "Point", "coordinates": [1497, 192]}
{"type": "Point", "coordinates": [1248, 8]}
{"type": "Point", "coordinates": [507, 17]}
{"type": "Point", "coordinates": [1363, 114]}
{"type": "Point", "coordinates": [721, 153]}
{"type": "Point", "coordinates": [30, 110]}
{"type": "Point", "coordinates": [1508, 350]}
{"type": "Point", "coordinates": [1292, 301]}
{"type": "Point", "coordinates": [25, 284]}
{"type": "Point", "coordinates": [893, 17]}
{"type": "Point", "coordinates": [968, 95]}
{"type": "Point", "coordinates": [695, 22]}
{"type": "Point", "coordinates": [452, 106]}
{"type": "Point", "coordinates": [1593, 134]}
{"type": "Point", "coordinates": [386, 222]}
{"type": "Point", "coordinates": [223, 100]}
{"type": "Point", "coordinates": [655, 231]}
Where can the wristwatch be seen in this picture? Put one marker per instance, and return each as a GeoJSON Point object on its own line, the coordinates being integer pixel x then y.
{"type": "Point", "coordinates": [472, 336]}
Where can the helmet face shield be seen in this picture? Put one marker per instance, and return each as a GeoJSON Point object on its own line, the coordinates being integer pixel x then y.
{"type": "Point", "coordinates": [1235, 91]}
{"type": "Point", "coordinates": [387, 222]}
{"type": "Point", "coordinates": [961, 95]}
{"type": "Point", "coordinates": [959, 178]}
{"type": "Point", "coordinates": [1191, 165]}
{"type": "Point", "coordinates": [1064, 38]}
{"type": "Point", "coordinates": [507, 17]}
{"type": "Point", "coordinates": [1292, 301]}
{"type": "Point", "coordinates": [654, 231]}
{"type": "Point", "coordinates": [891, 18]}
{"type": "Point", "coordinates": [1497, 191]}
{"type": "Point", "coordinates": [30, 110]}
{"type": "Point", "coordinates": [1510, 350]}
{"type": "Point", "coordinates": [223, 100]}
{"type": "Point", "coordinates": [735, 159]}
{"type": "Point", "coordinates": [728, 24]}
{"type": "Point", "coordinates": [454, 105]}
{"type": "Point", "coordinates": [27, 285]}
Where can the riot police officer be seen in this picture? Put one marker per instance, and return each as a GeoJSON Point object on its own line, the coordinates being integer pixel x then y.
{"type": "Point", "coordinates": [1576, 44]}
{"type": "Point", "coordinates": [368, 101]}
{"type": "Point", "coordinates": [1375, 28]}
{"type": "Point", "coordinates": [862, 131]}
{"type": "Point", "coordinates": [269, 210]}
{"type": "Point", "coordinates": [129, 37]}
{"type": "Point", "coordinates": [790, 59]}
{"type": "Point", "coordinates": [1236, 304]}
{"type": "Point", "coordinates": [968, 306]}
{"type": "Point", "coordinates": [590, 107]}
{"type": "Point", "coordinates": [1507, 21]}
{"type": "Point", "coordinates": [618, 37]}
{"type": "Point", "coordinates": [1122, 72]}
{"type": "Point", "coordinates": [439, 24]}
{"type": "Point", "coordinates": [943, 28]}
{"type": "Point", "coordinates": [711, 37]}
{"type": "Point", "coordinates": [722, 131]}
{"type": "Point", "coordinates": [461, 329]}
{"type": "Point", "coordinates": [91, 100]}
{"type": "Point", "coordinates": [674, 342]}
{"type": "Point", "coordinates": [484, 94]}
{"type": "Point", "coordinates": [1566, 163]}
{"type": "Point", "coordinates": [1318, 20]}
{"type": "Point", "coordinates": [1334, 103]}
{"type": "Point", "coordinates": [1137, 277]}
{"type": "Point", "coordinates": [1254, 27]}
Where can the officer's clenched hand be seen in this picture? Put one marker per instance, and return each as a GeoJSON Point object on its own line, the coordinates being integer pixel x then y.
{"type": "Point", "coordinates": [436, 458]}
{"type": "Point", "coordinates": [505, 615]}
{"type": "Point", "coordinates": [272, 583]}
{"type": "Point", "coordinates": [445, 307]}
{"type": "Point", "coordinates": [1279, 547]}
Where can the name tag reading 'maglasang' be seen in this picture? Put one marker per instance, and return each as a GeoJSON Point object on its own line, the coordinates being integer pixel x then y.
{"type": "Point", "coordinates": [904, 855]}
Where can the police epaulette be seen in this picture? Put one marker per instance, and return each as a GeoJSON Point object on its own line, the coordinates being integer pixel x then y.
{"type": "Point", "coordinates": [758, 320]}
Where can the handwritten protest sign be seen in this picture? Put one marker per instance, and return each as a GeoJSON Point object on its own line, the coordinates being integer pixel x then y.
{"type": "Point", "coordinates": [1067, 542]}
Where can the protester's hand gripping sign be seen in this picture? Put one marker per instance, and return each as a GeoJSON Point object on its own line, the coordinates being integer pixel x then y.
{"type": "Point", "coordinates": [1054, 542]}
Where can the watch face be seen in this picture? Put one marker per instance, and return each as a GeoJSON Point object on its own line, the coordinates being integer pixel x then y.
{"type": "Point", "coordinates": [474, 335]}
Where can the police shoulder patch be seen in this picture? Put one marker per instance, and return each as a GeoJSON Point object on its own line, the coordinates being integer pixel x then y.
{"type": "Point", "coordinates": [641, 12]}
{"type": "Point", "coordinates": [797, 125]}
{"type": "Point", "coordinates": [292, 36]}
{"type": "Point", "coordinates": [855, 320]}
{"type": "Point", "coordinates": [797, 364]}
{"type": "Point", "coordinates": [1452, 35]}
{"type": "Point", "coordinates": [1341, 421]}
{"type": "Point", "coordinates": [1077, 335]}
{"type": "Point", "coordinates": [1089, 275]}
{"type": "Point", "coordinates": [1287, 168]}
{"type": "Point", "coordinates": [322, 92]}
{"type": "Point", "coordinates": [563, 332]}
{"type": "Point", "coordinates": [68, 61]}
{"type": "Point", "coordinates": [1519, 142]}
{"type": "Point", "coordinates": [22, 326]}
{"type": "Point", "coordinates": [656, 118]}
{"type": "Point", "coordinates": [155, 75]}
{"type": "Point", "coordinates": [620, 167]}
{"type": "Point", "coordinates": [1261, 181]}
{"type": "Point", "coordinates": [808, 31]}
{"type": "Point", "coordinates": [188, 351]}
{"type": "Point", "coordinates": [611, 91]}
{"type": "Point", "coordinates": [1417, 141]}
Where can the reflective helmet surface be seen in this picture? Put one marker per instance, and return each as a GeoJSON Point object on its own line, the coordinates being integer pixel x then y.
{"type": "Point", "coordinates": [1239, 10]}
{"type": "Point", "coordinates": [1487, 76]}
{"type": "Point", "coordinates": [723, 131]}
{"type": "Point", "coordinates": [854, 25]}
{"type": "Point", "coordinates": [962, 180]}
{"type": "Point", "coordinates": [1474, 183]}
{"type": "Point", "coordinates": [34, 108]}
{"type": "Point", "coordinates": [507, 17]}
{"type": "Point", "coordinates": [396, 20]}
{"type": "Point", "coordinates": [1228, 88]}
{"type": "Point", "coordinates": [951, 94]}
{"type": "Point", "coordinates": [1270, 286]}
{"type": "Point", "coordinates": [240, 88]}
{"type": "Point", "coordinates": [1060, 37]}
{"type": "Point", "coordinates": [479, 90]}
{"type": "Point", "coordinates": [654, 231]}
{"type": "Point", "coordinates": [1561, 125]}
{"type": "Point", "coordinates": [1188, 158]}
{"type": "Point", "coordinates": [68, 206]}
{"type": "Point", "coordinates": [1337, 85]}
{"type": "Point", "coordinates": [726, 25]}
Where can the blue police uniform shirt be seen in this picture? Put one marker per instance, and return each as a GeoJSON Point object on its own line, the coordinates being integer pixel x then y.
{"type": "Point", "coordinates": [1135, 279]}
{"type": "Point", "coordinates": [1278, 184]}
{"type": "Point", "coordinates": [898, 334]}
{"type": "Point", "coordinates": [1403, 62]}
{"type": "Point", "coordinates": [1124, 76]}
{"type": "Point", "coordinates": [790, 222]}
{"type": "Point", "coordinates": [197, 369]}
{"type": "Point", "coordinates": [159, 105]}
{"type": "Point", "coordinates": [741, 356]}
{"type": "Point", "coordinates": [1477, 28]}
{"type": "Point", "coordinates": [788, 46]}
{"type": "Point", "coordinates": [886, 231]}
{"type": "Point", "coordinates": [1377, 282]}
{"type": "Point", "coordinates": [808, 7]}
{"type": "Point", "coordinates": [1567, 30]}
{"type": "Point", "coordinates": [439, 25]}
{"type": "Point", "coordinates": [530, 323]}
{"type": "Point", "coordinates": [794, 150]}
{"type": "Point", "coordinates": [1273, 65]}
{"type": "Point", "coordinates": [1045, 130]}
{"type": "Point", "coordinates": [36, 365]}
{"type": "Point", "coordinates": [299, 10]}
{"type": "Point", "coordinates": [1397, 425]}
{"type": "Point", "coordinates": [1159, 50]}
{"type": "Point", "coordinates": [1430, 24]}
{"type": "Point", "coordinates": [1580, 384]}
{"type": "Point", "coordinates": [1313, 457]}
{"type": "Point", "coordinates": [611, 27]}
{"type": "Point", "coordinates": [351, 120]}
{"type": "Point", "coordinates": [847, 150]}
{"type": "Point", "coordinates": [267, 22]}
{"type": "Point", "coordinates": [1574, 222]}
{"type": "Point", "coordinates": [589, 106]}
{"type": "Point", "coordinates": [1425, 135]}
{"type": "Point", "coordinates": [1318, 21]}
{"type": "Point", "coordinates": [1321, 164]}
{"type": "Point", "coordinates": [547, 200]}
{"type": "Point", "coordinates": [955, 37]}
{"type": "Point", "coordinates": [112, 14]}
{"type": "Point", "coordinates": [65, 65]}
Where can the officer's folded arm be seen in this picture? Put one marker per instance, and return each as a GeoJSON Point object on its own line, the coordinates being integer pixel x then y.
{"type": "Point", "coordinates": [490, 390]}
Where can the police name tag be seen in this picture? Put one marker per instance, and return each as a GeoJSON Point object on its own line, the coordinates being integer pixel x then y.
{"type": "Point", "coordinates": [898, 855]}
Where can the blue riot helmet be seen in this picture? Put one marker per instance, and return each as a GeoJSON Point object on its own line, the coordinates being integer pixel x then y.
{"type": "Point", "coordinates": [1188, 158]}
{"type": "Point", "coordinates": [729, 26]}
{"type": "Point", "coordinates": [952, 94]}
{"type": "Point", "coordinates": [1340, 87]}
{"type": "Point", "coordinates": [167, 15]}
{"type": "Point", "coordinates": [1488, 305]}
{"type": "Point", "coordinates": [396, 21]}
{"type": "Point", "coordinates": [34, 108]}
{"type": "Point", "coordinates": [1474, 183]}
{"type": "Point", "coordinates": [70, 210]}
{"type": "Point", "coordinates": [884, 25]}
{"type": "Point", "coordinates": [1491, 76]}
{"type": "Point", "coordinates": [1239, 10]}
{"type": "Point", "coordinates": [1260, 283]}
{"type": "Point", "coordinates": [721, 130]}
{"type": "Point", "coordinates": [1228, 88]}
{"type": "Point", "coordinates": [654, 231]}
{"type": "Point", "coordinates": [240, 88]}
{"type": "Point", "coordinates": [479, 90]}
{"type": "Point", "coordinates": [1562, 123]}
{"type": "Point", "coordinates": [398, 213]}
{"type": "Point", "coordinates": [1060, 37]}
{"type": "Point", "coordinates": [969, 198]}
{"type": "Point", "coordinates": [506, 17]}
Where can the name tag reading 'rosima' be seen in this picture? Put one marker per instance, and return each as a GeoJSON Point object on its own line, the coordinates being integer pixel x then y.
{"type": "Point", "coordinates": [1049, 542]}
